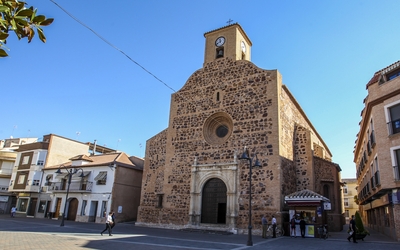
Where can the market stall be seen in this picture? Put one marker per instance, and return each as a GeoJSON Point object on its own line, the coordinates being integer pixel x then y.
{"type": "Point", "coordinates": [309, 206]}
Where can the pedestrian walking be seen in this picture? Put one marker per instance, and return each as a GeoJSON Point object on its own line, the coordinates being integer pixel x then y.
{"type": "Point", "coordinates": [113, 219]}
{"type": "Point", "coordinates": [108, 225]}
{"type": "Point", "coordinates": [302, 227]}
{"type": "Point", "coordinates": [293, 227]}
{"type": "Point", "coordinates": [353, 229]}
{"type": "Point", "coordinates": [273, 221]}
{"type": "Point", "coordinates": [13, 211]}
{"type": "Point", "coordinates": [264, 223]}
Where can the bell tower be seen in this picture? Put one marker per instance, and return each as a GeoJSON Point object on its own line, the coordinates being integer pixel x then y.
{"type": "Point", "coordinates": [230, 41]}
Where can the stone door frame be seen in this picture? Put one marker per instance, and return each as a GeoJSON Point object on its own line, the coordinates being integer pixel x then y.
{"type": "Point", "coordinates": [228, 173]}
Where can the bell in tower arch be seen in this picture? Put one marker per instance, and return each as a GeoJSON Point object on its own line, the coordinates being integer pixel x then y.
{"type": "Point", "coordinates": [220, 53]}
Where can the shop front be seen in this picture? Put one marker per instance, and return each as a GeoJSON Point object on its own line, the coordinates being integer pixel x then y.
{"type": "Point", "coordinates": [308, 206]}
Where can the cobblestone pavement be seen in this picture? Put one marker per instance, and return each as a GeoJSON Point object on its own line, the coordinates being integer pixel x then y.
{"type": "Point", "coordinates": [30, 233]}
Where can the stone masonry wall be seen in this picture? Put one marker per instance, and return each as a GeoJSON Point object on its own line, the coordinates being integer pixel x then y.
{"type": "Point", "coordinates": [252, 98]}
{"type": "Point", "coordinates": [303, 159]}
{"type": "Point", "coordinates": [153, 178]}
{"type": "Point", "coordinates": [326, 173]}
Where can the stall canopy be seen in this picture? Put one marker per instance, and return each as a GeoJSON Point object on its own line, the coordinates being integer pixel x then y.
{"type": "Point", "coordinates": [305, 198]}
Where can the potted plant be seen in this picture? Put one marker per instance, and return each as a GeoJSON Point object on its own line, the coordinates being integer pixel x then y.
{"type": "Point", "coordinates": [361, 232]}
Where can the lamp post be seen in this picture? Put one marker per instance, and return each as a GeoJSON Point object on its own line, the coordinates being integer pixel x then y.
{"type": "Point", "coordinates": [70, 173]}
{"type": "Point", "coordinates": [245, 156]}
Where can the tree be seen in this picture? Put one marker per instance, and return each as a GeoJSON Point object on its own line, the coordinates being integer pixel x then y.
{"type": "Point", "coordinates": [15, 16]}
{"type": "Point", "coordinates": [356, 200]}
{"type": "Point", "coordinates": [359, 224]}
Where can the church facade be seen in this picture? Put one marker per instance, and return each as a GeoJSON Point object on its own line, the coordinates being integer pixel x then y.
{"type": "Point", "coordinates": [193, 176]}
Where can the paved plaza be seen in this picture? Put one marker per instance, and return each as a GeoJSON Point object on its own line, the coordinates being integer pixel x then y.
{"type": "Point", "coordinates": [30, 233]}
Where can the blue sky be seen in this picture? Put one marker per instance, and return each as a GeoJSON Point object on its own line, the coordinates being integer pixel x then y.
{"type": "Point", "coordinates": [78, 86]}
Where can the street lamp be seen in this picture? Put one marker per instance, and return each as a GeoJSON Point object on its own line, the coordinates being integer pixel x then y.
{"type": "Point", "coordinates": [245, 156]}
{"type": "Point", "coordinates": [70, 173]}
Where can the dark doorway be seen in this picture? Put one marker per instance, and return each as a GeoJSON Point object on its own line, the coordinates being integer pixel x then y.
{"type": "Point", "coordinates": [213, 207]}
{"type": "Point", "coordinates": [32, 207]}
{"type": "Point", "coordinates": [221, 213]}
{"type": "Point", "coordinates": [72, 209]}
{"type": "Point", "coordinates": [93, 211]}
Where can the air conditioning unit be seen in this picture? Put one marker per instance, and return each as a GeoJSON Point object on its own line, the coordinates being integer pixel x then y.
{"type": "Point", "coordinates": [44, 189]}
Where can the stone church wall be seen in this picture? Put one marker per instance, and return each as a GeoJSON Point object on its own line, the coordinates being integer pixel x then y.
{"type": "Point", "coordinates": [153, 178]}
{"type": "Point", "coordinates": [327, 183]}
{"type": "Point", "coordinates": [260, 113]}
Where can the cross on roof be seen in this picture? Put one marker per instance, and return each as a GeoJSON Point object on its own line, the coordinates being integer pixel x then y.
{"type": "Point", "coordinates": [229, 21]}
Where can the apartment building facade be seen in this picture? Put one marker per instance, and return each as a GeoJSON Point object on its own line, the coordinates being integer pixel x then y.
{"type": "Point", "coordinates": [27, 174]}
{"type": "Point", "coordinates": [86, 188]}
{"type": "Point", "coordinates": [8, 156]}
{"type": "Point", "coordinates": [350, 207]}
{"type": "Point", "coordinates": [377, 153]}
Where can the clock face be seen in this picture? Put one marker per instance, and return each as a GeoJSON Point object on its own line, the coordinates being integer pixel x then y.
{"type": "Point", "coordinates": [243, 46]}
{"type": "Point", "coordinates": [220, 41]}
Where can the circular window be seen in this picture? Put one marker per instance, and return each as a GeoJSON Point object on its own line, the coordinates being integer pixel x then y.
{"type": "Point", "coordinates": [222, 131]}
{"type": "Point", "coordinates": [218, 128]}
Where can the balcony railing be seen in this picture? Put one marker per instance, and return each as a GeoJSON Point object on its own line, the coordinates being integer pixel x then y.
{"type": "Point", "coordinates": [394, 127]}
{"type": "Point", "coordinates": [372, 138]}
{"type": "Point", "coordinates": [377, 178]}
{"type": "Point", "coordinates": [373, 185]}
{"type": "Point", "coordinates": [396, 173]}
{"type": "Point", "coordinates": [369, 148]}
{"type": "Point", "coordinates": [75, 186]}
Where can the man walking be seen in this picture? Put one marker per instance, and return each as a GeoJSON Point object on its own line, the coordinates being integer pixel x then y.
{"type": "Point", "coordinates": [302, 227]}
{"type": "Point", "coordinates": [113, 219]}
{"type": "Point", "coordinates": [353, 229]}
{"type": "Point", "coordinates": [273, 226]}
{"type": "Point", "coordinates": [108, 225]}
{"type": "Point", "coordinates": [13, 211]}
{"type": "Point", "coordinates": [264, 223]}
{"type": "Point", "coordinates": [293, 227]}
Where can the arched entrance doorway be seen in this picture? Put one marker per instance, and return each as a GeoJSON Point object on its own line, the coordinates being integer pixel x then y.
{"type": "Point", "coordinates": [72, 209]}
{"type": "Point", "coordinates": [213, 208]}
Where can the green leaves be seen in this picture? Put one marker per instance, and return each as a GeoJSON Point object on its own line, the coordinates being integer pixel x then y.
{"type": "Point", "coordinates": [47, 22]}
{"type": "Point", "coordinates": [3, 53]}
{"type": "Point", "coordinates": [3, 36]}
{"type": "Point", "coordinates": [15, 16]}
{"type": "Point", "coordinates": [25, 13]}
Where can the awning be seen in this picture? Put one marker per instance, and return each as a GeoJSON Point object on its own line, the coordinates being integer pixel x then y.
{"type": "Point", "coordinates": [78, 174]}
{"type": "Point", "coordinates": [303, 204]}
{"type": "Point", "coordinates": [62, 175]}
{"type": "Point", "coordinates": [74, 176]}
{"type": "Point", "coordinates": [101, 176]}
{"type": "Point", "coordinates": [305, 198]}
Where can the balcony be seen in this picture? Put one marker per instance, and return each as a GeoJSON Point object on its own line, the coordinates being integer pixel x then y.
{"type": "Point", "coordinates": [396, 173]}
{"type": "Point", "coordinates": [377, 178]}
{"type": "Point", "coordinates": [373, 185]}
{"type": "Point", "coordinates": [34, 189]}
{"type": "Point", "coordinates": [76, 186]}
{"type": "Point", "coordinates": [369, 148]}
{"type": "Point", "coordinates": [6, 172]}
{"type": "Point", "coordinates": [394, 127]}
{"type": "Point", "coordinates": [372, 139]}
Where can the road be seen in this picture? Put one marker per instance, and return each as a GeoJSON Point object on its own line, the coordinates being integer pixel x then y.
{"type": "Point", "coordinates": [30, 233]}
